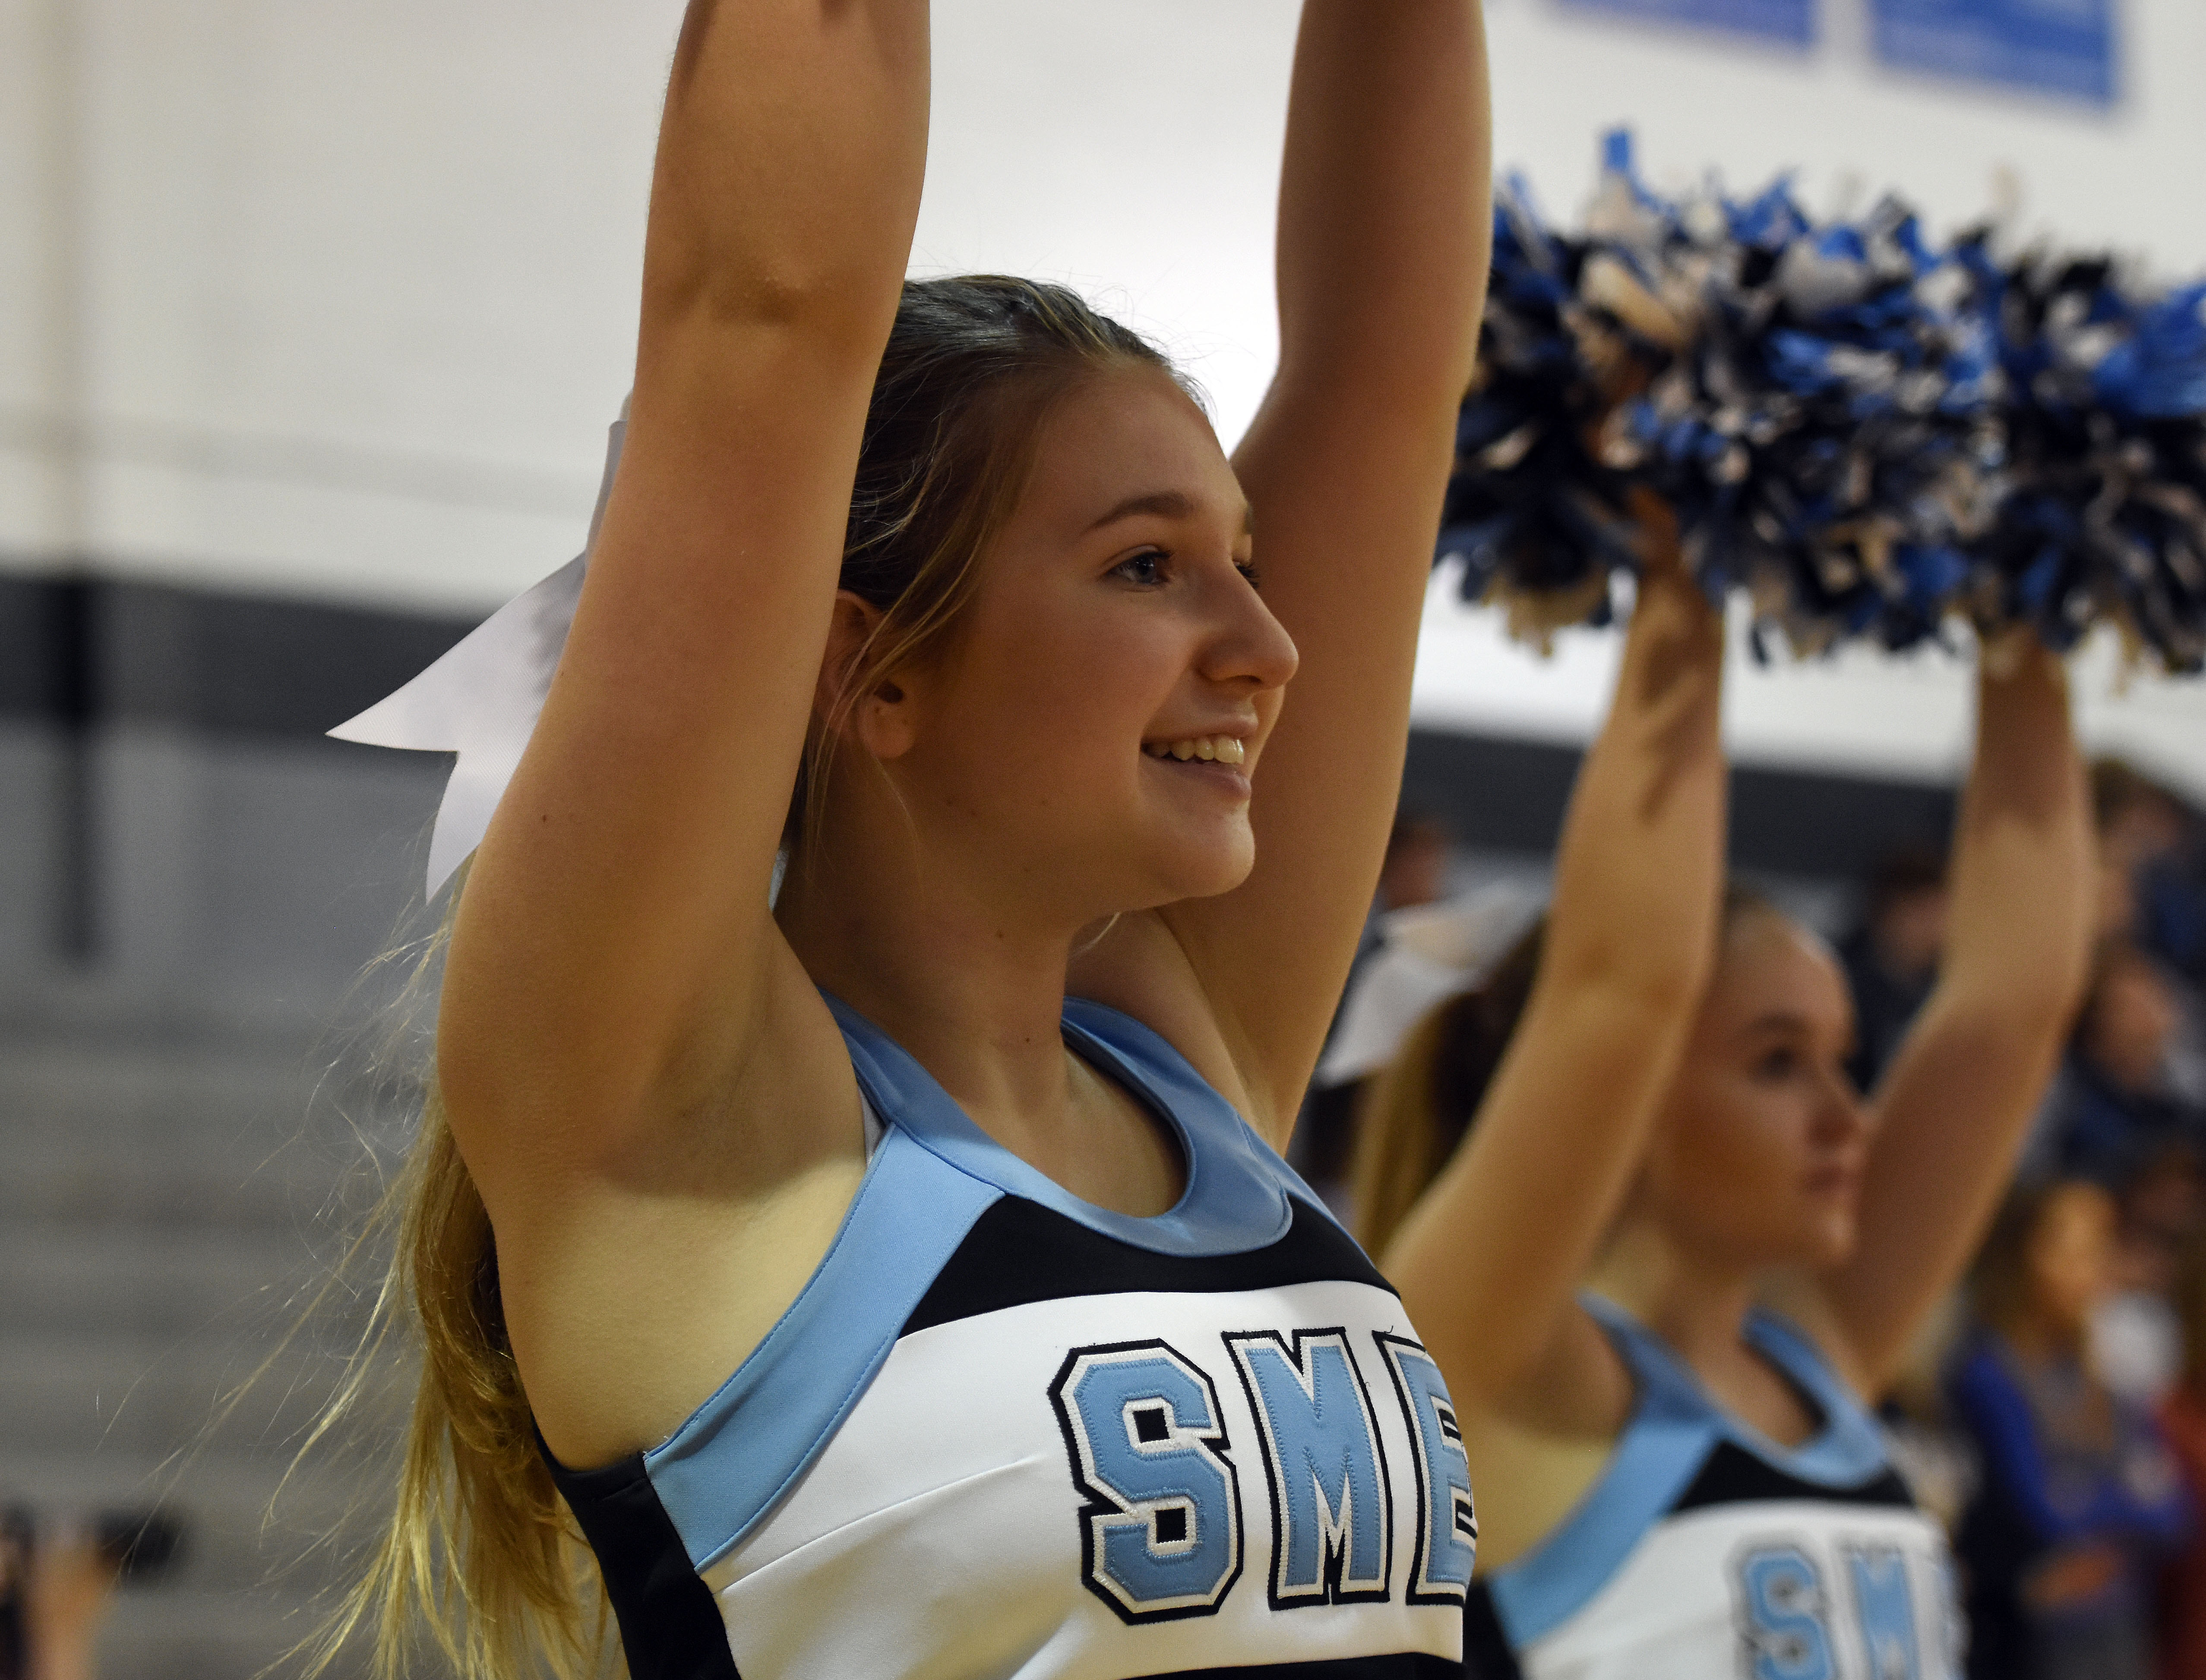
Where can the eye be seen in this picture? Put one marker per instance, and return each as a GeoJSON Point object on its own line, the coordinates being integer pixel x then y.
{"type": "Point", "coordinates": [1146, 568]}
{"type": "Point", "coordinates": [1780, 1062]}
{"type": "Point", "coordinates": [1248, 569]}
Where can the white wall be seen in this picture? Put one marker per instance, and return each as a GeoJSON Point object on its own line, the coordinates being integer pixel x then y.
{"type": "Point", "coordinates": [336, 299]}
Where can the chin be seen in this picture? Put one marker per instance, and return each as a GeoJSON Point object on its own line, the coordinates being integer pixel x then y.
{"type": "Point", "coordinates": [1201, 866]}
{"type": "Point", "coordinates": [1833, 1239]}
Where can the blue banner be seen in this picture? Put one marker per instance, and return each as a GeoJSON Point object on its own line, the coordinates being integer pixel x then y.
{"type": "Point", "coordinates": [2058, 46]}
{"type": "Point", "coordinates": [1792, 21]}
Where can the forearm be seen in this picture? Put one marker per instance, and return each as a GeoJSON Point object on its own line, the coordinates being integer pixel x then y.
{"type": "Point", "coordinates": [1639, 870]}
{"type": "Point", "coordinates": [1490, 1259]}
{"type": "Point", "coordinates": [790, 160]}
{"type": "Point", "coordinates": [2019, 927]}
{"type": "Point", "coordinates": [1954, 1106]}
{"type": "Point", "coordinates": [1386, 217]}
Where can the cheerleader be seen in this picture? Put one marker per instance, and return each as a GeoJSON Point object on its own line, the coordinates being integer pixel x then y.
{"type": "Point", "coordinates": [904, 1280]}
{"type": "Point", "coordinates": [1678, 1256]}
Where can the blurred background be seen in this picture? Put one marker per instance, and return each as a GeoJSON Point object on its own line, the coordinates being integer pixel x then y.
{"type": "Point", "coordinates": [312, 318]}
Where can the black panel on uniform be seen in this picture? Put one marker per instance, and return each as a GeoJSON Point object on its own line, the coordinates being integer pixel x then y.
{"type": "Point", "coordinates": [1731, 1474]}
{"type": "Point", "coordinates": [670, 1624]}
{"type": "Point", "coordinates": [1020, 1252]}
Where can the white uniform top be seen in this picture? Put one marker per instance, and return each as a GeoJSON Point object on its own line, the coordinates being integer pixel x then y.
{"type": "Point", "coordinates": [1003, 1432]}
{"type": "Point", "coordinates": [1706, 1550]}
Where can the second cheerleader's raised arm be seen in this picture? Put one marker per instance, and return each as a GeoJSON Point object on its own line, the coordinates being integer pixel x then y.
{"type": "Point", "coordinates": [1489, 1261]}
{"type": "Point", "coordinates": [1952, 1111]}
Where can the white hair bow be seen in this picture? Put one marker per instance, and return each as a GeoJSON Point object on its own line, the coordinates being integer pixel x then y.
{"type": "Point", "coordinates": [482, 698]}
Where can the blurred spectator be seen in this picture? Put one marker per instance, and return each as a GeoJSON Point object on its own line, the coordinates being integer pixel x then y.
{"type": "Point", "coordinates": [2114, 1107]}
{"type": "Point", "coordinates": [1891, 958]}
{"type": "Point", "coordinates": [2183, 1419]}
{"type": "Point", "coordinates": [55, 1593]}
{"type": "Point", "coordinates": [2079, 1500]}
{"type": "Point", "coordinates": [2136, 1342]}
{"type": "Point", "coordinates": [2151, 840]}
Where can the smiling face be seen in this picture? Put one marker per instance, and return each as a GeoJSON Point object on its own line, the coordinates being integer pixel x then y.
{"type": "Point", "coordinates": [1090, 735]}
{"type": "Point", "coordinates": [1756, 1158]}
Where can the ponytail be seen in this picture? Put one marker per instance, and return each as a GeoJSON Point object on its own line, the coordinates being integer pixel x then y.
{"type": "Point", "coordinates": [480, 1557]}
{"type": "Point", "coordinates": [1415, 1112]}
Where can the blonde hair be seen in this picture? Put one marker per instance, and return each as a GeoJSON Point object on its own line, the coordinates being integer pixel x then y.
{"type": "Point", "coordinates": [482, 1553]}
{"type": "Point", "coordinates": [1413, 1114]}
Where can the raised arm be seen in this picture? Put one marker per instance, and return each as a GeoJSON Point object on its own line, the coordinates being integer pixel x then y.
{"type": "Point", "coordinates": [612, 957]}
{"type": "Point", "coordinates": [1953, 1110]}
{"type": "Point", "coordinates": [1385, 222]}
{"type": "Point", "coordinates": [1488, 1261]}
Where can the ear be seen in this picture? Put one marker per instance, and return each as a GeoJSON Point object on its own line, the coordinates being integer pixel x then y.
{"type": "Point", "coordinates": [880, 722]}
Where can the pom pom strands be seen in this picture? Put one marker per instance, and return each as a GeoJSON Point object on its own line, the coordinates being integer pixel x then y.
{"type": "Point", "coordinates": [1868, 435]}
{"type": "Point", "coordinates": [2104, 514]}
{"type": "Point", "coordinates": [1539, 520]}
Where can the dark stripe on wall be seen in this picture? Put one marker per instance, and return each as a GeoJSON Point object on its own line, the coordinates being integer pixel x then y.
{"type": "Point", "coordinates": [1019, 1252]}
{"type": "Point", "coordinates": [46, 649]}
{"type": "Point", "coordinates": [1506, 795]}
{"type": "Point", "coordinates": [195, 659]}
{"type": "Point", "coordinates": [77, 652]}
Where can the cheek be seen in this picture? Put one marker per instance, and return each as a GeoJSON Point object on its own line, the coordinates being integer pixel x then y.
{"type": "Point", "coordinates": [1076, 669]}
{"type": "Point", "coordinates": [1733, 1148]}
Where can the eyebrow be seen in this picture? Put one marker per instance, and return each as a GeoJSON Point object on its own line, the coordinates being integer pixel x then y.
{"type": "Point", "coordinates": [1166, 505]}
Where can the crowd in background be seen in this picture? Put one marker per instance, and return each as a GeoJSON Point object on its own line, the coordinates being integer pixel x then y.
{"type": "Point", "coordinates": [2056, 1419]}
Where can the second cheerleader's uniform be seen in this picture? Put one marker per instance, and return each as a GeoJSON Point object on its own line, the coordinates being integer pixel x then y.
{"type": "Point", "coordinates": [1002, 1433]}
{"type": "Point", "coordinates": [1705, 1549]}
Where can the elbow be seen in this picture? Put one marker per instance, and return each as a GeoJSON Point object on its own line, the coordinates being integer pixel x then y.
{"type": "Point", "coordinates": [704, 296]}
{"type": "Point", "coordinates": [1654, 982]}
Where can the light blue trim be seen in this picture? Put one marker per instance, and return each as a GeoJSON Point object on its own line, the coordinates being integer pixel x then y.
{"type": "Point", "coordinates": [1674, 1426]}
{"type": "Point", "coordinates": [929, 1179]}
{"type": "Point", "coordinates": [1660, 1452]}
{"type": "Point", "coordinates": [1236, 1198]}
{"type": "Point", "coordinates": [1848, 1450]}
{"type": "Point", "coordinates": [724, 1467]}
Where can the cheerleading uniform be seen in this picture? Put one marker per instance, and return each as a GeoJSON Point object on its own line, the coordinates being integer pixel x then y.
{"type": "Point", "coordinates": [1706, 1549]}
{"type": "Point", "coordinates": [1004, 1433]}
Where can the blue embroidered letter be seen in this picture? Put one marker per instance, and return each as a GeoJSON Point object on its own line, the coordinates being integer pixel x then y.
{"type": "Point", "coordinates": [1332, 1508]}
{"type": "Point", "coordinates": [1783, 1598]}
{"type": "Point", "coordinates": [1160, 1537]}
{"type": "Point", "coordinates": [1447, 1538]}
{"type": "Point", "coordinates": [1886, 1605]}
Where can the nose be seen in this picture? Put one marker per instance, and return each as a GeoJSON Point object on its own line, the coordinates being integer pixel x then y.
{"type": "Point", "coordinates": [1249, 647]}
{"type": "Point", "coordinates": [1841, 1118]}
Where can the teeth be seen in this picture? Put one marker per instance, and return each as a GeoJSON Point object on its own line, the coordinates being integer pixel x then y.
{"type": "Point", "coordinates": [1215, 749]}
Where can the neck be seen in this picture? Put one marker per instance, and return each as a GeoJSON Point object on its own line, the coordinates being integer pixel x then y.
{"type": "Point", "coordinates": [961, 972]}
{"type": "Point", "coordinates": [1695, 1302]}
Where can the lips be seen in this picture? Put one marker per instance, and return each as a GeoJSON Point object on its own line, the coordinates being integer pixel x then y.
{"type": "Point", "coordinates": [1837, 1179]}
